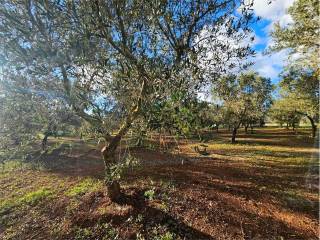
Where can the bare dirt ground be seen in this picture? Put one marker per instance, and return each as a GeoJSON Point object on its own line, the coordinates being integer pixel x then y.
{"type": "Point", "coordinates": [263, 187]}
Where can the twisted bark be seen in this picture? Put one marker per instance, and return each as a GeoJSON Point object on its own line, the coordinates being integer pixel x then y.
{"type": "Point", "coordinates": [313, 125]}
{"type": "Point", "coordinates": [109, 150]}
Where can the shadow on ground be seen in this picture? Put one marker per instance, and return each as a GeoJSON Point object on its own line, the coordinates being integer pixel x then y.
{"type": "Point", "coordinates": [220, 196]}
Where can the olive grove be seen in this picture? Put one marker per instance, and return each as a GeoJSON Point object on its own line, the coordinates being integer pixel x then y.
{"type": "Point", "coordinates": [122, 55]}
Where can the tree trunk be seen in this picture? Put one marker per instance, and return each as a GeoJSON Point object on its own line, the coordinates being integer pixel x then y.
{"type": "Point", "coordinates": [246, 128]}
{"type": "Point", "coordinates": [113, 187]}
{"type": "Point", "coordinates": [313, 125]}
{"type": "Point", "coordinates": [314, 131]}
{"type": "Point", "coordinates": [108, 151]}
{"type": "Point", "coordinates": [261, 123]}
{"type": "Point", "coordinates": [45, 141]}
{"type": "Point", "coordinates": [217, 128]}
{"type": "Point", "coordinates": [108, 154]}
{"type": "Point", "coordinates": [251, 127]}
{"type": "Point", "coordinates": [234, 133]}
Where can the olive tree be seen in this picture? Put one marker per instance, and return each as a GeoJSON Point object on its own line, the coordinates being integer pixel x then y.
{"type": "Point", "coordinates": [131, 52]}
{"type": "Point", "coordinates": [302, 74]}
{"type": "Point", "coordinates": [244, 97]}
{"type": "Point", "coordinates": [282, 113]}
{"type": "Point", "coordinates": [301, 37]}
{"type": "Point", "coordinates": [299, 97]}
{"type": "Point", "coordinates": [301, 77]}
{"type": "Point", "coordinates": [28, 116]}
{"type": "Point", "coordinates": [218, 115]}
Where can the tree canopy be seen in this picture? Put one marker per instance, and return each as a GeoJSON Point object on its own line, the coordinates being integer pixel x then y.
{"type": "Point", "coordinates": [300, 36]}
{"type": "Point", "coordinates": [109, 59]}
{"type": "Point", "coordinates": [246, 97]}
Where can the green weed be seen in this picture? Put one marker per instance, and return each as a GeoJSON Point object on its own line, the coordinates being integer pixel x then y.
{"type": "Point", "coordinates": [83, 234]}
{"type": "Point", "coordinates": [166, 236]}
{"type": "Point", "coordinates": [86, 185]}
{"type": "Point", "coordinates": [30, 198]}
{"type": "Point", "coordinates": [150, 194]}
{"type": "Point", "coordinates": [35, 197]}
{"type": "Point", "coordinates": [100, 231]}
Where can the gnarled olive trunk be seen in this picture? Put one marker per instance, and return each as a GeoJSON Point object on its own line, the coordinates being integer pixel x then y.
{"type": "Point", "coordinates": [313, 125]}
{"type": "Point", "coordinates": [108, 154]}
{"type": "Point", "coordinates": [108, 151]}
{"type": "Point", "coordinates": [44, 141]}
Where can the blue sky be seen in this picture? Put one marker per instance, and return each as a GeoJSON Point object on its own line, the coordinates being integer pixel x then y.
{"type": "Point", "coordinates": [266, 65]}
{"type": "Point", "coordinates": [269, 65]}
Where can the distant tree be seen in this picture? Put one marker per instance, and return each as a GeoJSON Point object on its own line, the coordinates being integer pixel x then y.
{"type": "Point", "coordinates": [246, 96]}
{"type": "Point", "coordinates": [217, 115]}
{"type": "Point", "coordinates": [132, 52]}
{"type": "Point", "coordinates": [27, 114]}
{"type": "Point", "coordinates": [283, 113]}
{"type": "Point", "coordinates": [298, 97]}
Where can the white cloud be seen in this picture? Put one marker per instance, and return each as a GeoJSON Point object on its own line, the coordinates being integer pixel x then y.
{"type": "Point", "coordinates": [275, 11]}
{"type": "Point", "coordinates": [270, 65]}
{"type": "Point", "coordinates": [285, 20]}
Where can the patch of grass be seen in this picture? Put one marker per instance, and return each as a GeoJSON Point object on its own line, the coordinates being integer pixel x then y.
{"type": "Point", "coordinates": [35, 197]}
{"type": "Point", "coordinates": [83, 233]}
{"type": "Point", "coordinates": [167, 236]}
{"type": "Point", "coordinates": [11, 165]}
{"type": "Point", "coordinates": [162, 233]}
{"type": "Point", "coordinates": [110, 232]}
{"type": "Point", "coordinates": [30, 198]}
{"type": "Point", "coordinates": [86, 185]}
{"type": "Point", "coordinates": [104, 231]}
{"type": "Point", "coordinates": [7, 205]}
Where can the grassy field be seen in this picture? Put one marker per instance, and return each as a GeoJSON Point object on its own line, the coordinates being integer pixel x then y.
{"type": "Point", "coordinates": [263, 187]}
